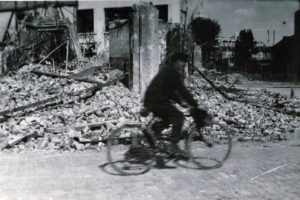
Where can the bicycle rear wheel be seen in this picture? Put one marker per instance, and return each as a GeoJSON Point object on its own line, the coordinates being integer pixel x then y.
{"type": "Point", "coordinates": [129, 151]}
{"type": "Point", "coordinates": [209, 148]}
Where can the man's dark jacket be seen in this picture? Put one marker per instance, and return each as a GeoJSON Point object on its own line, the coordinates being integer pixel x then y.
{"type": "Point", "coordinates": [167, 86]}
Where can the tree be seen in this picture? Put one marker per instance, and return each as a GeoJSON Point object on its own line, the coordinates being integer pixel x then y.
{"type": "Point", "coordinates": [205, 32]}
{"type": "Point", "coordinates": [244, 48]}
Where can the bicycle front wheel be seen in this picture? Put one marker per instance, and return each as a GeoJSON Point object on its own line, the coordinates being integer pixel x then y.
{"type": "Point", "coordinates": [209, 148]}
{"type": "Point", "coordinates": [129, 151]}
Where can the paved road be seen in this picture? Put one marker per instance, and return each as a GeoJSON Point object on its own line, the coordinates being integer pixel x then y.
{"type": "Point", "coordinates": [63, 176]}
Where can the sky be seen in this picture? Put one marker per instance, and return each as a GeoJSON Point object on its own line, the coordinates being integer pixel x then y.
{"type": "Point", "coordinates": [257, 15]}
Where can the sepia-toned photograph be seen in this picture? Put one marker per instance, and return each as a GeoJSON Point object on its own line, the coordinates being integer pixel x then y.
{"type": "Point", "coordinates": [150, 100]}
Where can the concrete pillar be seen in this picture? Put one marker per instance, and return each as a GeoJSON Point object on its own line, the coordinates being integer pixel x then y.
{"type": "Point", "coordinates": [145, 46]}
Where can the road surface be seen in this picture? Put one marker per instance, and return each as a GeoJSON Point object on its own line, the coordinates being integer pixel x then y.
{"type": "Point", "coordinates": [253, 171]}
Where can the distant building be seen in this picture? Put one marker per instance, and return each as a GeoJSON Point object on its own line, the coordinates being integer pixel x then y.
{"type": "Point", "coordinates": [226, 46]}
{"type": "Point", "coordinates": [258, 56]}
{"type": "Point", "coordinates": [286, 53]}
{"type": "Point", "coordinates": [227, 54]}
{"type": "Point", "coordinates": [262, 53]}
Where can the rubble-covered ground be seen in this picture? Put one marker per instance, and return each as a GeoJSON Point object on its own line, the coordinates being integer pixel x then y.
{"type": "Point", "coordinates": [257, 115]}
{"type": "Point", "coordinates": [82, 123]}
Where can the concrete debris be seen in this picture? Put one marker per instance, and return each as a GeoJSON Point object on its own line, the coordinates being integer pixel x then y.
{"type": "Point", "coordinates": [86, 123]}
{"type": "Point", "coordinates": [255, 113]}
{"type": "Point", "coordinates": [114, 102]}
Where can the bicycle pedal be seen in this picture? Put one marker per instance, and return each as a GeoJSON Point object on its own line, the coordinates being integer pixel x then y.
{"type": "Point", "coordinates": [173, 155]}
{"type": "Point", "coordinates": [209, 144]}
{"type": "Point", "coordinates": [184, 158]}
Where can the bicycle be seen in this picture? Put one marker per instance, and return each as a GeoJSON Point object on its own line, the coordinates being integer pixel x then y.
{"type": "Point", "coordinates": [133, 149]}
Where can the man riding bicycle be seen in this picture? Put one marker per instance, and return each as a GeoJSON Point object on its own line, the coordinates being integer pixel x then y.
{"type": "Point", "coordinates": [165, 90]}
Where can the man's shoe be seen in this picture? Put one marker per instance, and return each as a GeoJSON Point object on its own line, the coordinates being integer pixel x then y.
{"type": "Point", "coordinates": [175, 150]}
{"type": "Point", "coordinates": [138, 153]}
{"type": "Point", "coordinates": [160, 164]}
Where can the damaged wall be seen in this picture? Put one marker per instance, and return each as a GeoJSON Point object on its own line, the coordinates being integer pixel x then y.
{"type": "Point", "coordinates": [119, 41]}
{"type": "Point", "coordinates": [23, 28]}
{"type": "Point", "coordinates": [99, 33]}
{"type": "Point", "coordinates": [7, 7]}
{"type": "Point", "coordinates": [99, 15]}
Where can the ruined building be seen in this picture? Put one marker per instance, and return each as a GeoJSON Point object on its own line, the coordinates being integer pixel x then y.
{"type": "Point", "coordinates": [286, 53]}
{"type": "Point", "coordinates": [124, 34]}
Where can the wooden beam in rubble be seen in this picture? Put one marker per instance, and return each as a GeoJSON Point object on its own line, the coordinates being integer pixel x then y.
{"type": "Point", "coordinates": [58, 99]}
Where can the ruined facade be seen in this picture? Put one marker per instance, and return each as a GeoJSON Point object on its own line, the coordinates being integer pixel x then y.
{"type": "Point", "coordinates": [117, 32]}
{"type": "Point", "coordinates": [101, 9]}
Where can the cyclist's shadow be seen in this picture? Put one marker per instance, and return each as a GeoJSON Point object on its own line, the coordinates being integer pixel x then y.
{"type": "Point", "coordinates": [164, 162]}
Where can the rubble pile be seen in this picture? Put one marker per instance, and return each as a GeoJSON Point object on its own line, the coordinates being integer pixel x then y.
{"type": "Point", "coordinates": [262, 97]}
{"type": "Point", "coordinates": [86, 122]}
{"type": "Point", "coordinates": [71, 126]}
{"type": "Point", "coordinates": [58, 126]}
{"type": "Point", "coordinates": [257, 115]}
{"type": "Point", "coordinates": [21, 87]}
